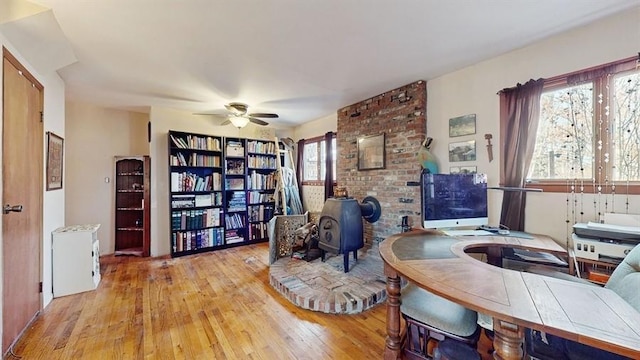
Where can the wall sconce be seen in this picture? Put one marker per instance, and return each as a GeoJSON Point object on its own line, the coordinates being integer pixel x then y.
{"type": "Point", "coordinates": [239, 121]}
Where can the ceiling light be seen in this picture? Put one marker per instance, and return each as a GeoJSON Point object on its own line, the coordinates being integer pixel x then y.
{"type": "Point", "coordinates": [239, 121]}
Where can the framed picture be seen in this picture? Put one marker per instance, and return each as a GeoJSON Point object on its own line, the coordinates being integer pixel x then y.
{"type": "Point", "coordinates": [463, 170]}
{"type": "Point", "coordinates": [462, 151]}
{"type": "Point", "coordinates": [462, 125]}
{"type": "Point", "coordinates": [371, 152]}
{"type": "Point", "coordinates": [55, 148]}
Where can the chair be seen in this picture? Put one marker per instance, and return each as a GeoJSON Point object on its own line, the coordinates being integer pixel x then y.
{"type": "Point", "coordinates": [624, 281]}
{"type": "Point", "coordinates": [431, 318]}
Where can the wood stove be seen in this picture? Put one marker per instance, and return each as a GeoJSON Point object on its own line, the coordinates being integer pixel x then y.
{"type": "Point", "coordinates": [340, 225]}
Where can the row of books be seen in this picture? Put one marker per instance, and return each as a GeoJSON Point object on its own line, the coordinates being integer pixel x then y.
{"type": "Point", "coordinates": [260, 212]}
{"type": "Point", "coordinates": [186, 181]}
{"type": "Point", "coordinates": [258, 231]}
{"type": "Point", "coordinates": [236, 201]}
{"type": "Point", "coordinates": [189, 201]}
{"type": "Point", "coordinates": [195, 160]}
{"type": "Point", "coordinates": [196, 142]}
{"type": "Point", "coordinates": [195, 219]}
{"type": "Point", "coordinates": [259, 181]}
{"type": "Point", "coordinates": [234, 236]}
{"type": "Point", "coordinates": [234, 221]}
{"type": "Point", "coordinates": [197, 239]}
{"type": "Point", "coordinates": [260, 147]}
{"type": "Point", "coordinates": [260, 197]}
{"type": "Point", "coordinates": [262, 162]}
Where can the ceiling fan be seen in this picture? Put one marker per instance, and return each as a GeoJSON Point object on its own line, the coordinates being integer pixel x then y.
{"type": "Point", "coordinates": [240, 117]}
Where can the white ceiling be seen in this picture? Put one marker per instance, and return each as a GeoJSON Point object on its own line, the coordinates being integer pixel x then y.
{"type": "Point", "coordinates": [300, 59]}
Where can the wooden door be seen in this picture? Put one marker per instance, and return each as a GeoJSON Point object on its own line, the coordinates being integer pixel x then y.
{"type": "Point", "coordinates": [22, 162]}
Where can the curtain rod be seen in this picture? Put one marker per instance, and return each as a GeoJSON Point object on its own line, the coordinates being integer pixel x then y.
{"type": "Point", "coordinates": [559, 78]}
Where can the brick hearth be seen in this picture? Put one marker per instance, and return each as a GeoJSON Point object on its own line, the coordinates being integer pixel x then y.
{"type": "Point", "coordinates": [326, 287]}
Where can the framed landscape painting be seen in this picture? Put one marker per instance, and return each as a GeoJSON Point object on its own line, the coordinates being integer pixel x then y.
{"type": "Point", "coordinates": [462, 151]}
{"type": "Point", "coordinates": [462, 125]}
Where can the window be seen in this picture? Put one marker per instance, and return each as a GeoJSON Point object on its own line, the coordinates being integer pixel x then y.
{"type": "Point", "coordinates": [314, 164]}
{"type": "Point", "coordinates": [589, 128]}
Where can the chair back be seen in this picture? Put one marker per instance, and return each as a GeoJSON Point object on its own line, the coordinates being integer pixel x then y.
{"type": "Point", "coordinates": [625, 279]}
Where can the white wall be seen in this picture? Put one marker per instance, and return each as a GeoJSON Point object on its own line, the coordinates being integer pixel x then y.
{"type": "Point", "coordinates": [473, 91]}
{"type": "Point", "coordinates": [94, 136]}
{"type": "Point", "coordinates": [53, 201]}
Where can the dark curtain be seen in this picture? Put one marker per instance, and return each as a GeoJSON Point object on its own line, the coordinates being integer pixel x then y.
{"type": "Point", "coordinates": [299, 162]}
{"type": "Point", "coordinates": [328, 178]}
{"type": "Point", "coordinates": [519, 112]}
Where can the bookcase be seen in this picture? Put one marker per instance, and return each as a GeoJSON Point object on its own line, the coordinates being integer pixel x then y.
{"type": "Point", "coordinates": [221, 191]}
{"type": "Point", "coordinates": [132, 204]}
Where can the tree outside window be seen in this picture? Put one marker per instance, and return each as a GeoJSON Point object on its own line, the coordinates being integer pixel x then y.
{"type": "Point", "coordinates": [590, 130]}
{"type": "Point", "coordinates": [314, 164]}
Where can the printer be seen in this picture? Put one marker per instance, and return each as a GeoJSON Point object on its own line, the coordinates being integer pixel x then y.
{"type": "Point", "coordinates": [606, 242]}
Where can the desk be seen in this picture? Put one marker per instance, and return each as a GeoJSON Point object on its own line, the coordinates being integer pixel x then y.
{"type": "Point", "coordinates": [438, 263]}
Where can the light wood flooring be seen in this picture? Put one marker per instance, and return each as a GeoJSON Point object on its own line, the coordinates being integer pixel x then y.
{"type": "Point", "coordinates": [217, 305]}
{"type": "Point", "coordinates": [210, 306]}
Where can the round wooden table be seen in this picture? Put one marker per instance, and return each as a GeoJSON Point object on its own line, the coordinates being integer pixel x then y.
{"type": "Point", "coordinates": [515, 300]}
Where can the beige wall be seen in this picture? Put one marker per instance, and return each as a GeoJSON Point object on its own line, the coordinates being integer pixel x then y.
{"type": "Point", "coordinates": [316, 128]}
{"type": "Point", "coordinates": [473, 91]}
{"type": "Point", "coordinates": [94, 136]}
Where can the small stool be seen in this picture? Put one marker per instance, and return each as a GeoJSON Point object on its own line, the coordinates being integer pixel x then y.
{"type": "Point", "coordinates": [431, 319]}
{"type": "Point", "coordinates": [453, 350]}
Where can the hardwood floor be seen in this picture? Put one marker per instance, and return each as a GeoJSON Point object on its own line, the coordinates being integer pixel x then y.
{"type": "Point", "coordinates": [214, 305]}
{"type": "Point", "coordinates": [217, 305]}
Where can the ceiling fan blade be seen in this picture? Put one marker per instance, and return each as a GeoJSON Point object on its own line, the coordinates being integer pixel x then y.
{"type": "Point", "coordinates": [226, 122]}
{"type": "Point", "coordinates": [237, 108]}
{"type": "Point", "coordinates": [258, 121]}
{"type": "Point", "coordinates": [211, 114]}
{"type": "Point", "coordinates": [264, 115]}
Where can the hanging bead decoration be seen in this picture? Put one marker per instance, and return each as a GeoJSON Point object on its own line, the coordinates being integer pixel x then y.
{"type": "Point", "coordinates": [608, 128]}
{"type": "Point", "coordinates": [600, 165]}
{"type": "Point", "coordinates": [569, 227]}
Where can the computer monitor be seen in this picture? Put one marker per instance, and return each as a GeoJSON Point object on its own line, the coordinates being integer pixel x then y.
{"type": "Point", "coordinates": [454, 200]}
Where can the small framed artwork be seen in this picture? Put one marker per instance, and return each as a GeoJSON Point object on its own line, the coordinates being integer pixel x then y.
{"type": "Point", "coordinates": [463, 170]}
{"type": "Point", "coordinates": [55, 148]}
{"type": "Point", "coordinates": [462, 125]}
{"type": "Point", "coordinates": [371, 152]}
{"type": "Point", "coordinates": [462, 151]}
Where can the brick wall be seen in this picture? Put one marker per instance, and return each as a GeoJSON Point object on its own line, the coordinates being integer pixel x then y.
{"type": "Point", "coordinates": [401, 115]}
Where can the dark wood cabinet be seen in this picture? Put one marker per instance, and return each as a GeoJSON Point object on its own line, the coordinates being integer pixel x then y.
{"type": "Point", "coordinates": [132, 204]}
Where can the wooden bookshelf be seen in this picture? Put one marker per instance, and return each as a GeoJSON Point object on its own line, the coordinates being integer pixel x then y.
{"type": "Point", "coordinates": [132, 216]}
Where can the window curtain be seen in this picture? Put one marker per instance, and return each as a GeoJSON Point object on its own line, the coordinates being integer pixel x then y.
{"type": "Point", "coordinates": [519, 112]}
{"type": "Point", "coordinates": [328, 178]}
{"type": "Point", "coordinates": [299, 167]}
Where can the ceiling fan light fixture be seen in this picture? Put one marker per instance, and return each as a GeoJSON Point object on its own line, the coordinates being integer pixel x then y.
{"type": "Point", "coordinates": [239, 121]}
